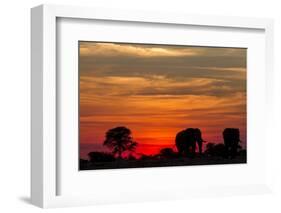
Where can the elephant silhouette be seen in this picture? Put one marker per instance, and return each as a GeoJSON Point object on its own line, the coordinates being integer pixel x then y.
{"type": "Point", "coordinates": [186, 141]}
{"type": "Point", "coordinates": [231, 137]}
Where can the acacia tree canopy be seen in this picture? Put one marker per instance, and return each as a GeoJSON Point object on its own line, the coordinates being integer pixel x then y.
{"type": "Point", "coordinates": [119, 140]}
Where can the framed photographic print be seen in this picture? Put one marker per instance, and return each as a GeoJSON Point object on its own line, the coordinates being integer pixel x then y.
{"type": "Point", "coordinates": [161, 100]}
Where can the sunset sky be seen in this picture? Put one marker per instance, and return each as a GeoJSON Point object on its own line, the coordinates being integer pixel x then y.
{"type": "Point", "coordinates": [159, 90]}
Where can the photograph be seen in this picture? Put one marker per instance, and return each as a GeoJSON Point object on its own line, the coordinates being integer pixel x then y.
{"type": "Point", "coordinates": [159, 105]}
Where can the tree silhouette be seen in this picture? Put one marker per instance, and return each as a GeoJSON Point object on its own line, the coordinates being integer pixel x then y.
{"type": "Point", "coordinates": [119, 140]}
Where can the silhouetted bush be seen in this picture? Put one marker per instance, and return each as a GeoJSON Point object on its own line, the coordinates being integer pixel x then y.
{"type": "Point", "coordinates": [83, 163]}
{"type": "Point", "coordinates": [100, 157]}
{"type": "Point", "coordinates": [131, 157]}
{"type": "Point", "coordinates": [217, 150]}
{"type": "Point", "coordinates": [167, 153]}
{"type": "Point", "coordinates": [242, 152]}
{"type": "Point", "coordinates": [146, 157]}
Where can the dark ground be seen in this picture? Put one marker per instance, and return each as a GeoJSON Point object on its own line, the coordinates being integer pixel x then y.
{"type": "Point", "coordinates": [162, 162]}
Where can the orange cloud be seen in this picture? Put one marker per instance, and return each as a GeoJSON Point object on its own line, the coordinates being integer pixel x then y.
{"type": "Point", "coordinates": [114, 49]}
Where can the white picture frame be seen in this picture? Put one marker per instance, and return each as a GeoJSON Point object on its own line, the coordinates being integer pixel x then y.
{"type": "Point", "coordinates": [44, 135]}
